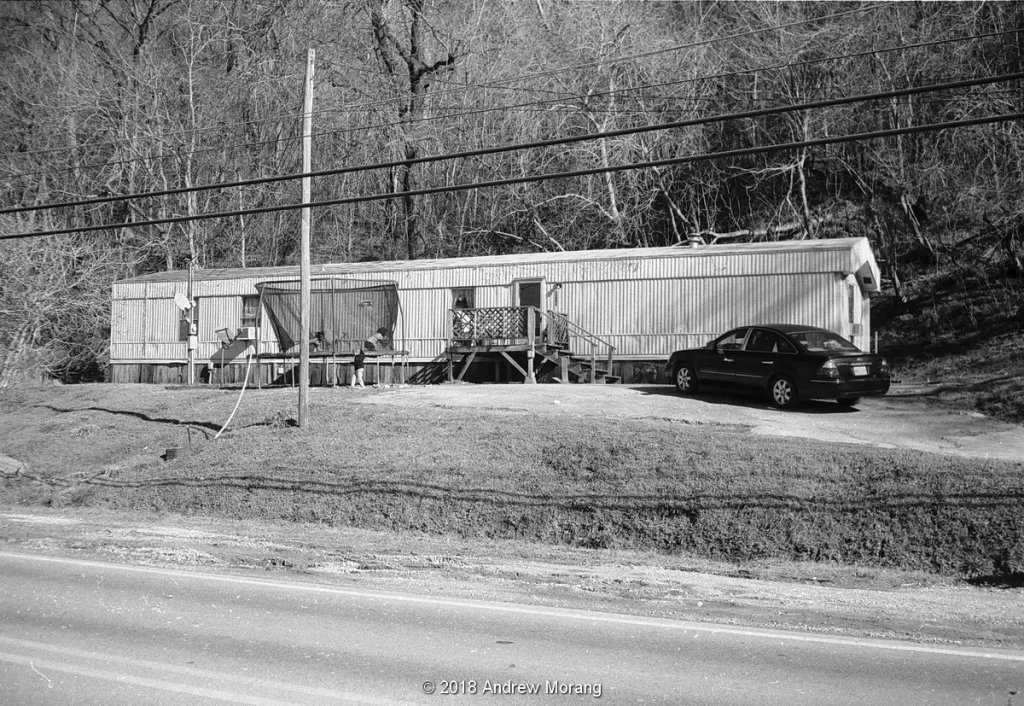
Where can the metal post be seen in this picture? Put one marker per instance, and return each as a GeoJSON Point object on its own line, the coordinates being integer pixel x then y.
{"type": "Point", "coordinates": [256, 344]}
{"type": "Point", "coordinates": [530, 337]}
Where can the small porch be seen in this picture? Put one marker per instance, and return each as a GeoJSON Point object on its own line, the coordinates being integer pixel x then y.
{"type": "Point", "coordinates": [541, 346]}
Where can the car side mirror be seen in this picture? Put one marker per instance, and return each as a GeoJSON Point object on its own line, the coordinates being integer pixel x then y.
{"type": "Point", "coordinates": [710, 345]}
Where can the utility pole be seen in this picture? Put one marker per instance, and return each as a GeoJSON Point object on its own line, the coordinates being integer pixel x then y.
{"type": "Point", "coordinates": [304, 294]}
{"type": "Point", "coordinates": [192, 338]}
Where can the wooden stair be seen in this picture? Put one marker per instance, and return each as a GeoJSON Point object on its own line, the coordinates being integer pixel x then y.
{"type": "Point", "coordinates": [569, 368]}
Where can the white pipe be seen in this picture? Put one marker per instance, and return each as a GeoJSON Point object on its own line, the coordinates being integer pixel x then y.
{"type": "Point", "coordinates": [248, 363]}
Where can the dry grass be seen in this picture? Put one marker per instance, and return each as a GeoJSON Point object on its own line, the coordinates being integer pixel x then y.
{"type": "Point", "coordinates": [593, 482]}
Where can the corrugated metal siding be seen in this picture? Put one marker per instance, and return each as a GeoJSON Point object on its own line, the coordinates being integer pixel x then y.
{"type": "Point", "coordinates": [647, 302]}
{"type": "Point", "coordinates": [861, 314]}
{"type": "Point", "coordinates": [166, 351]}
{"type": "Point", "coordinates": [421, 310]}
{"type": "Point", "coordinates": [218, 312]}
{"type": "Point", "coordinates": [711, 264]}
{"type": "Point", "coordinates": [866, 323]}
{"type": "Point", "coordinates": [129, 289]}
{"type": "Point", "coordinates": [643, 318]}
{"type": "Point", "coordinates": [122, 328]}
{"type": "Point", "coordinates": [127, 351]}
{"type": "Point", "coordinates": [163, 290]}
{"type": "Point", "coordinates": [161, 321]}
{"type": "Point", "coordinates": [862, 257]}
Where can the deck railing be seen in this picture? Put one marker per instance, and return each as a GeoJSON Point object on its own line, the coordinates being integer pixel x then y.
{"type": "Point", "coordinates": [526, 326]}
{"type": "Point", "coordinates": [492, 326]}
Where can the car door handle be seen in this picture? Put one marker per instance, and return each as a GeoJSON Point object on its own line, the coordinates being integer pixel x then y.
{"type": "Point", "coordinates": [727, 360]}
{"type": "Point", "coordinates": [767, 362]}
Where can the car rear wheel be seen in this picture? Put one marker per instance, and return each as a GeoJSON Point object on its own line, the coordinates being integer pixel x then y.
{"type": "Point", "coordinates": [849, 401]}
{"type": "Point", "coordinates": [686, 379]}
{"type": "Point", "coordinates": [783, 392]}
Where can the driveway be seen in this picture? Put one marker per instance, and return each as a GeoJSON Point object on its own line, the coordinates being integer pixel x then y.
{"type": "Point", "coordinates": [902, 419]}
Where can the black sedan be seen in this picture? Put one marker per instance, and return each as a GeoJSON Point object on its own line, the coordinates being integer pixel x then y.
{"type": "Point", "coordinates": [788, 362]}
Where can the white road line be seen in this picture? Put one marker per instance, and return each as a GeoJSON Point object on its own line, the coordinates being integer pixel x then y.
{"type": "Point", "coordinates": [688, 626]}
{"type": "Point", "coordinates": [28, 646]}
{"type": "Point", "coordinates": [122, 678]}
{"type": "Point", "coordinates": [74, 658]}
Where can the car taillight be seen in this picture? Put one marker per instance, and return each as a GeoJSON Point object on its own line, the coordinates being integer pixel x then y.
{"type": "Point", "coordinates": [883, 367]}
{"type": "Point", "coordinates": [829, 370]}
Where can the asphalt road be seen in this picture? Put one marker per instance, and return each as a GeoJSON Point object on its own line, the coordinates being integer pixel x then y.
{"type": "Point", "coordinates": [82, 632]}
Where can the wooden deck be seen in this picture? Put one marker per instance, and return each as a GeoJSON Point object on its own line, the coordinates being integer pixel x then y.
{"type": "Point", "coordinates": [533, 343]}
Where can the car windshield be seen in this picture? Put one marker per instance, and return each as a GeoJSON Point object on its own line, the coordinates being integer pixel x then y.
{"type": "Point", "coordinates": [823, 342]}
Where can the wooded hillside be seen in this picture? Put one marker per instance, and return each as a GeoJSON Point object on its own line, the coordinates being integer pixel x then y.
{"type": "Point", "coordinates": [109, 98]}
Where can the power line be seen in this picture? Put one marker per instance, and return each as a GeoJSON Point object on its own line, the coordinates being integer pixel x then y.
{"type": "Point", "coordinates": [691, 122]}
{"type": "Point", "coordinates": [499, 82]}
{"type": "Point", "coordinates": [674, 161]}
{"type": "Point", "coordinates": [533, 104]}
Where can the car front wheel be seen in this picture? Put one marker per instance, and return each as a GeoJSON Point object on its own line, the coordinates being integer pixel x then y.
{"type": "Point", "coordinates": [783, 392]}
{"type": "Point", "coordinates": [686, 379]}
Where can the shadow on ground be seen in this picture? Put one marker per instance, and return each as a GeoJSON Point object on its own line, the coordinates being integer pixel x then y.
{"type": "Point", "coordinates": [1011, 580]}
{"type": "Point", "coordinates": [734, 399]}
{"type": "Point", "coordinates": [139, 415]}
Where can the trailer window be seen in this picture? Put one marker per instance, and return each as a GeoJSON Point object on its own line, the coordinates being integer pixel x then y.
{"type": "Point", "coordinates": [464, 298]}
{"type": "Point", "coordinates": [250, 311]}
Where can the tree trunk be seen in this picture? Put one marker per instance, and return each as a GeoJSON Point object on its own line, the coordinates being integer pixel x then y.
{"type": "Point", "coordinates": [414, 83]}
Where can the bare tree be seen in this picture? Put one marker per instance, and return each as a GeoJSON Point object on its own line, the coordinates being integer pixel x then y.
{"type": "Point", "coordinates": [404, 38]}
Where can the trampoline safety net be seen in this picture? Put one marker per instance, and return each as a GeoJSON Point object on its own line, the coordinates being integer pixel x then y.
{"type": "Point", "coordinates": [344, 314]}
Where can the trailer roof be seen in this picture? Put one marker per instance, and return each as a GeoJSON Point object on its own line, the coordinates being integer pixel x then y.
{"type": "Point", "coordinates": [380, 267]}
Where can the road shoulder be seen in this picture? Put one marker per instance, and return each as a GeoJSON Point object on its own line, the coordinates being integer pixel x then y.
{"type": "Point", "coordinates": [854, 602]}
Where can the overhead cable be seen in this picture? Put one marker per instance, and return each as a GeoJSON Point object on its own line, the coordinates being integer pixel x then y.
{"type": "Point", "coordinates": [691, 122]}
{"type": "Point", "coordinates": [673, 161]}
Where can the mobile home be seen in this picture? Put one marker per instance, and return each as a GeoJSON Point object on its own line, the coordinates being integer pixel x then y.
{"type": "Point", "coordinates": [629, 308]}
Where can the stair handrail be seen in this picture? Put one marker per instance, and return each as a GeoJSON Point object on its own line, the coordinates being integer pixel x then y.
{"type": "Point", "coordinates": [592, 338]}
{"type": "Point", "coordinates": [582, 332]}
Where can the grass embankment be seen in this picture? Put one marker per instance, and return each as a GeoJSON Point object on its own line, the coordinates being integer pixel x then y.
{"type": "Point", "coordinates": [964, 334]}
{"type": "Point", "coordinates": [591, 482]}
